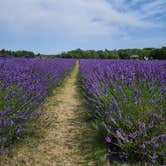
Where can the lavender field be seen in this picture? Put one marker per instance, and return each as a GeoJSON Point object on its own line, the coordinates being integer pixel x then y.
{"type": "Point", "coordinates": [126, 107]}
{"type": "Point", "coordinates": [129, 106]}
{"type": "Point", "coordinates": [24, 83]}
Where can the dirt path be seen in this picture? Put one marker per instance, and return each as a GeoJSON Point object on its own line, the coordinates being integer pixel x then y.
{"type": "Point", "coordinates": [60, 145]}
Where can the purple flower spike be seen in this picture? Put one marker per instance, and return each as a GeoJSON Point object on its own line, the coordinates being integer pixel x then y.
{"type": "Point", "coordinates": [108, 139]}
{"type": "Point", "coordinates": [19, 131]}
{"type": "Point", "coordinates": [133, 135]}
{"type": "Point", "coordinates": [119, 135]}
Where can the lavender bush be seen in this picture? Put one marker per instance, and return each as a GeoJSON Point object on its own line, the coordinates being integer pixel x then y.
{"type": "Point", "coordinates": [129, 101]}
{"type": "Point", "coordinates": [23, 85]}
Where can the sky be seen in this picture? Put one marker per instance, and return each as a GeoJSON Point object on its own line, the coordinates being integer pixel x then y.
{"type": "Point", "coordinates": [53, 26]}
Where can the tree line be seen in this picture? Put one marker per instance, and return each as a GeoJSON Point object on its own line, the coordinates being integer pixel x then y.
{"type": "Point", "coordinates": [20, 53]}
{"type": "Point", "coordinates": [145, 53]}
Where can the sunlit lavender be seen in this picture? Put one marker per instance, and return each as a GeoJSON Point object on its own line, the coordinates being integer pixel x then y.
{"type": "Point", "coordinates": [129, 106]}
{"type": "Point", "coordinates": [24, 83]}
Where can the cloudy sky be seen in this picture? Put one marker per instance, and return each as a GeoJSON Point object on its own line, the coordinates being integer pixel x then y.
{"type": "Point", "coordinates": [52, 26]}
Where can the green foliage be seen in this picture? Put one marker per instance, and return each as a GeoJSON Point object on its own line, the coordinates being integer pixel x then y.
{"type": "Point", "coordinates": [20, 53]}
{"type": "Point", "coordinates": [150, 53]}
{"type": "Point", "coordinates": [159, 53]}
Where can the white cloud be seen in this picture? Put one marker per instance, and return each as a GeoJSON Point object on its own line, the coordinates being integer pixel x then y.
{"type": "Point", "coordinates": [74, 17]}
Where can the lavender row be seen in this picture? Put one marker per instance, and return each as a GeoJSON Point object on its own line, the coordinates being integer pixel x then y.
{"type": "Point", "coordinates": [24, 83]}
{"type": "Point", "coordinates": [129, 101]}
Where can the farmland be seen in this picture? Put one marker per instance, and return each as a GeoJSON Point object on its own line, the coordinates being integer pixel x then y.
{"type": "Point", "coordinates": [24, 84]}
{"type": "Point", "coordinates": [125, 105]}
{"type": "Point", "coordinates": [129, 106]}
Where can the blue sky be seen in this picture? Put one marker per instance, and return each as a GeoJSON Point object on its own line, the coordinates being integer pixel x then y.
{"type": "Point", "coordinates": [53, 26]}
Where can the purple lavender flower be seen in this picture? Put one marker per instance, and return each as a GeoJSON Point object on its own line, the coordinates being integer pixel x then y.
{"type": "Point", "coordinates": [163, 138]}
{"type": "Point", "coordinates": [5, 112]}
{"type": "Point", "coordinates": [133, 135]}
{"type": "Point", "coordinates": [119, 135]}
{"type": "Point", "coordinates": [142, 129]}
{"type": "Point", "coordinates": [20, 131]}
{"type": "Point", "coordinates": [143, 146]}
{"type": "Point", "coordinates": [108, 139]}
{"type": "Point", "coordinates": [151, 125]}
{"type": "Point", "coordinates": [112, 120]}
{"type": "Point", "coordinates": [155, 156]}
{"type": "Point", "coordinates": [158, 116]}
{"type": "Point", "coordinates": [104, 124]}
